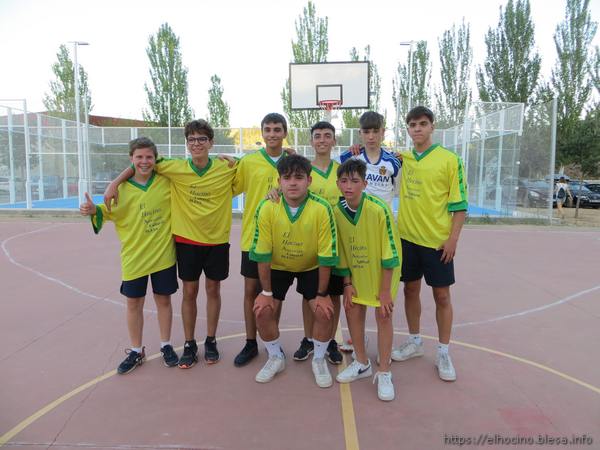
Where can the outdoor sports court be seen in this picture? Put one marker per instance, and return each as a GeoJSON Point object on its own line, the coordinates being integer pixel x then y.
{"type": "Point", "coordinates": [525, 346]}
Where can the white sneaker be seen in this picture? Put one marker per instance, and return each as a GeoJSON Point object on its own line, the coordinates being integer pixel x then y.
{"type": "Point", "coordinates": [321, 373]}
{"type": "Point", "coordinates": [385, 387]}
{"type": "Point", "coordinates": [408, 350]}
{"type": "Point", "coordinates": [274, 365]}
{"type": "Point", "coordinates": [445, 368]}
{"type": "Point", "coordinates": [354, 372]}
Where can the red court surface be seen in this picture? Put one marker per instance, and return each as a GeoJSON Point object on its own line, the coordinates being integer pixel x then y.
{"type": "Point", "coordinates": [525, 347]}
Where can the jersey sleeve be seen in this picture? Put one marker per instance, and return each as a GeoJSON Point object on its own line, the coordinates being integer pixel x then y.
{"type": "Point", "coordinates": [100, 217]}
{"type": "Point", "coordinates": [327, 245]}
{"type": "Point", "coordinates": [345, 156]}
{"type": "Point", "coordinates": [389, 242]}
{"type": "Point", "coordinates": [395, 162]}
{"type": "Point", "coordinates": [262, 243]}
{"type": "Point", "coordinates": [168, 167]}
{"type": "Point", "coordinates": [457, 198]}
{"type": "Point", "coordinates": [239, 178]}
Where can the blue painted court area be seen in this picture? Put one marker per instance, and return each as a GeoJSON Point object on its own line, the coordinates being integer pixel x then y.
{"type": "Point", "coordinates": [72, 203]}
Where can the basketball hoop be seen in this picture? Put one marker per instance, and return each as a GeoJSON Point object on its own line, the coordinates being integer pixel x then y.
{"type": "Point", "coordinates": [329, 105]}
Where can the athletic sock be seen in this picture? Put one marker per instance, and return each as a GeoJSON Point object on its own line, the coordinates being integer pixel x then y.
{"type": "Point", "coordinates": [442, 349]}
{"type": "Point", "coordinates": [415, 338]}
{"type": "Point", "coordinates": [274, 348]}
{"type": "Point", "coordinates": [320, 349]}
{"type": "Point", "coordinates": [162, 344]}
{"type": "Point", "coordinates": [137, 349]}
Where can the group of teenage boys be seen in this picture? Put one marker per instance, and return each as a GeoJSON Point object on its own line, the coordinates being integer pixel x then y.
{"type": "Point", "coordinates": [327, 224]}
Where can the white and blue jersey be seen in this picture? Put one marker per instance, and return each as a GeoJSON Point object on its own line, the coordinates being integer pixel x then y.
{"type": "Point", "coordinates": [382, 175]}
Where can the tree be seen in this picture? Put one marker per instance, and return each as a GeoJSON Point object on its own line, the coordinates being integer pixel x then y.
{"type": "Point", "coordinates": [421, 76]}
{"type": "Point", "coordinates": [351, 116]}
{"type": "Point", "coordinates": [573, 76]}
{"type": "Point", "coordinates": [456, 56]}
{"type": "Point", "coordinates": [512, 66]}
{"type": "Point", "coordinates": [218, 109]}
{"type": "Point", "coordinates": [312, 45]}
{"type": "Point", "coordinates": [61, 99]}
{"type": "Point", "coordinates": [169, 84]}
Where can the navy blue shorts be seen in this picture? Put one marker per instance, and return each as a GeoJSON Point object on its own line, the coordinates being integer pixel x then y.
{"type": "Point", "coordinates": [164, 282]}
{"type": "Point", "coordinates": [419, 261]}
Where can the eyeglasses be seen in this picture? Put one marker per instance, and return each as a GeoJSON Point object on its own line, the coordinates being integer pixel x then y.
{"type": "Point", "coordinates": [198, 140]}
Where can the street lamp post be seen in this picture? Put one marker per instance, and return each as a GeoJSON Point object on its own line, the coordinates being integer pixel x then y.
{"type": "Point", "coordinates": [80, 157]}
{"type": "Point", "coordinates": [410, 51]}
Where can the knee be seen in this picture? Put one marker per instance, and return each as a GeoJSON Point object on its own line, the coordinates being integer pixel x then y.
{"type": "Point", "coordinates": [213, 288]}
{"type": "Point", "coordinates": [320, 317]}
{"type": "Point", "coordinates": [442, 299]}
{"type": "Point", "coordinates": [411, 291]}
{"type": "Point", "coordinates": [381, 319]}
{"type": "Point", "coordinates": [135, 304]}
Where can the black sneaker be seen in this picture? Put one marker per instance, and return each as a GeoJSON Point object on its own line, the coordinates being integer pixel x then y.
{"type": "Point", "coordinates": [169, 356]}
{"type": "Point", "coordinates": [133, 360]}
{"type": "Point", "coordinates": [333, 353]}
{"type": "Point", "coordinates": [211, 354]}
{"type": "Point", "coordinates": [249, 352]}
{"type": "Point", "coordinates": [190, 355]}
{"type": "Point", "coordinates": [305, 349]}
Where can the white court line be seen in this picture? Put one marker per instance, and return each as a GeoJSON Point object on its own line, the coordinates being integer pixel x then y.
{"type": "Point", "coordinates": [70, 287]}
{"type": "Point", "coordinates": [121, 304]}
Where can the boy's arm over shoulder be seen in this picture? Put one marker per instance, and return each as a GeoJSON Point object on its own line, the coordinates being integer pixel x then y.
{"type": "Point", "coordinates": [169, 167]}
{"type": "Point", "coordinates": [261, 249]}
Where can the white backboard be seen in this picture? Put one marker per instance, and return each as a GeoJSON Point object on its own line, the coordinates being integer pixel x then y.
{"type": "Point", "coordinates": [346, 81]}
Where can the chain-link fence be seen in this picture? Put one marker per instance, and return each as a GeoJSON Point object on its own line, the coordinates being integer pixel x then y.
{"type": "Point", "coordinates": [507, 150]}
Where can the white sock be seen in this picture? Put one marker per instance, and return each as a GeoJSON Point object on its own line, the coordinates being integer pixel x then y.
{"type": "Point", "coordinates": [137, 349]}
{"type": "Point", "coordinates": [162, 344]}
{"type": "Point", "coordinates": [442, 349]}
{"type": "Point", "coordinates": [274, 348]}
{"type": "Point", "coordinates": [415, 338]}
{"type": "Point", "coordinates": [320, 349]}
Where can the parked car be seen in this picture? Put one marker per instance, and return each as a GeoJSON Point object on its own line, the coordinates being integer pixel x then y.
{"type": "Point", "coordinates": [52, 185]}
{"type": "Point", "coordinates": [593, 187]}
{"type": "Point", "coordinates": [587, 197]}
{"type": "Point", "coordinates": [533, 193]}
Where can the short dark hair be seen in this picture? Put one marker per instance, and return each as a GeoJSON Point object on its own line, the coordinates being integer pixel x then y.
{"type": "Point", "coordinates": [420, 111]}
{"type": "Point", "coordinates": [142, 142]}
{"type": "Point", "coordinates": [288, 165]}
{"type": "Point", "coordinates": [322, 126]}
{"type": "Point", "coordinates": [351, 166]}
{"type": "Point", "coordinates": [199, 126]}
{"type": "Point", "coordinates": [274, 118]}
{"type": "Point", "coordinates": [371, 120]}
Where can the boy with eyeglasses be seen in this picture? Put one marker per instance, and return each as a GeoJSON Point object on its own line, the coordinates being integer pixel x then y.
{"type": "Point", "coordinates": [201, 195]}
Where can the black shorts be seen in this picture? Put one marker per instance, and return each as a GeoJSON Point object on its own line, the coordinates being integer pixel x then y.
{"type": "Point", "coordinates": [418, 261]}
{"type": "Point", "coordinates": [307, 286]}
{"type": "Point", "coordinates": [249, 268]}
{"type": "Point", "coordinates": [336, 285]}
{"type": "Point", "coordinates": [164, 282]}
{"type": "Point", "coordinates": [193, 259]}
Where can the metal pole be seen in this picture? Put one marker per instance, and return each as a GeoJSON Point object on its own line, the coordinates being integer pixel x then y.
{"type": "Point", "coordinates": [64, 149]}
{"type": "Point", "coordinates": [498, 204]}
{"type": "Point", "coordinates": [86, 147]}
{"type": "Point", "coordinates": [410, 71]}
{"type": "Point", "coordinates": [27, 154]}
{"type": "Point", "coordinates": [41, 195]}
{"type": "Point", "coordinates": [169, 117]}
{"type": "Point", "coordinates": [80, 156]}
{"type": "Point", "coordinates": [11, 159]}
{"type": "Point", "coordinates": [552, 156]}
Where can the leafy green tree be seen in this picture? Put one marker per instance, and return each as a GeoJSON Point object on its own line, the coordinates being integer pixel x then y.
{"type": "Point", "coordinates": [351, 116]}
{"type": "Point", "coordinates": [60, 101]}
{"type": "Point", "coordinates": [512, 65]}
{"type": "Point", "coordinates": [168, 77]}
{"type": "Point", "coordinates": [573, 75]}
{"type": "Point", "coordinates": [218, 109]}
{"type": "Point", "coordinates": [312, 45]}
{"type": "Point", "coordinates": [456, 56]}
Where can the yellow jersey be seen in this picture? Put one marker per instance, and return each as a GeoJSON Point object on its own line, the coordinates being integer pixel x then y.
{"type": "Point", "coordinates": [324, 184]}
{"type": "Point", "coordinates": [433, 186]}
{"type": "Point", "coordinates": [143, 223]}
{"type": "Point", "coordinates": [368, 243]}
{"type": "Point", "coordinates": [295, 243]}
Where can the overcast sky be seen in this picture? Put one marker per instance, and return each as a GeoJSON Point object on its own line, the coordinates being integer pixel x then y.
{"type": "Point", "coordinates": [247, 43]}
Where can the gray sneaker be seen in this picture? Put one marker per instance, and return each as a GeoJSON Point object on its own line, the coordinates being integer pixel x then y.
{"type": "Point", "coordinates": [408, 350]}
{"type": "Point", "coordinates": [321, 373]}
{"type": "Point", "coordinates": [273, 366]}
{"type": "Point", "coordinates": [445, 368]}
